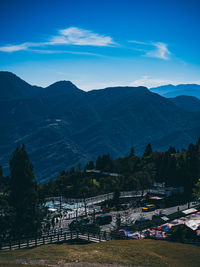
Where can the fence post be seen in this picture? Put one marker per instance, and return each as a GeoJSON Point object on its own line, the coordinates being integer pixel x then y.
{"type": "Point", "coordinates": [19, 244]}
{"type": "Point", "coordinates": [88, 236]}
{"type": "Point", "coordinates": [65, 236]}
{"type": "Point", "coordinates": [58, 237]}
{"type": "Point", "coordinates": [10, 245]}
{"type": "Point", "coordinates": [36, 241]}
{"type": "Point", "coordinates": [105, 235]}
{"type": "Point", "coordinates": [28, 243]}
{"type": "Point", "coordinates": [43, 241]}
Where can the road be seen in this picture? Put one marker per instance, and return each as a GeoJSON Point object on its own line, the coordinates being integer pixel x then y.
{"type": "Point", "coordinates": [130, 216]}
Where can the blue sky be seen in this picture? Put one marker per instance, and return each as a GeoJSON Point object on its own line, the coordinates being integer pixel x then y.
{"type": "Point", "coordinates": [101, 43]}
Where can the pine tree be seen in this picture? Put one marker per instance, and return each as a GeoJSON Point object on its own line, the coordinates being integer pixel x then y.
{"type": "Point", "coordinates": [192, 161]}
{"type": "Point", "coordinates": [26, 216]}
{"type": "Point", "coordinates": [148, 150]}
{"type": "Point", "coordinates": [196, 190]}
{"type": "Point", "coordinates": [90, 166]}
{"type": "Point", "coordinates": [132, 152]}
{"type": "Point", "coordinates": [171, 150]}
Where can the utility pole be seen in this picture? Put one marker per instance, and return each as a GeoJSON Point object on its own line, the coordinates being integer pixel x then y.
{"type": "Point", "coordinates": [85, 204]}
{"type": "Point", "coordinates": [60, 209]}
{"type": "Point", "coordinates": [143, 182]}
{"type": "Point", "coordinates": [94, 217]}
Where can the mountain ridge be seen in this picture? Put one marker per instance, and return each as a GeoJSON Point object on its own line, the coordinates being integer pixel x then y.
{"type": "Point", "coordinates": [189, 103]}
{"type": "Point", "coordinates": [61, 131]}
{"type": "Point", "coordinates": [177, 90]}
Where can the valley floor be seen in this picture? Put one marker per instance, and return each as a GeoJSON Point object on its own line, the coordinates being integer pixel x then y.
{"type": "Point", "coordinates": [114, 253]}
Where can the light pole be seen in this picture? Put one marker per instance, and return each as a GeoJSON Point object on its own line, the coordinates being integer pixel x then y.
{"type": "Point", "coordinates": [60, 210]}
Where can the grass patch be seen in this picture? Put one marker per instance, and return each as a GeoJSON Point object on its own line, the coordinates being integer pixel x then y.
{"type": "Point", "coordinates": [125, 252]}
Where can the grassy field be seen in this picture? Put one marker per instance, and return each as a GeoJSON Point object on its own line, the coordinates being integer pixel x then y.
{"type": "Point", "coordinates": [113, 253]}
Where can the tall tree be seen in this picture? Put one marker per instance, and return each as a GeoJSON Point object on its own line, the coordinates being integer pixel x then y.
{"type": "Point", "coordinates": [90, 166]}
{"type": "Point", "coordinates": [132, 152]}
{"type": "Point", "coordinates": [26, 214]}
{"type": "Point", "coordinates": [148, 150]}
{"type": "Point", "coordinates": [196, 190]}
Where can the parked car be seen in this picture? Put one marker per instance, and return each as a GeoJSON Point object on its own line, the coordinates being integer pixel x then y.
{"type": "Point", "coordinates": [104, 219]}
{"type": "Point", "coordinates": [149, 207]}
{"type": "Point", "coordinates": [78, 223]}
{"type": "Point", "coordinates": [90, 228]}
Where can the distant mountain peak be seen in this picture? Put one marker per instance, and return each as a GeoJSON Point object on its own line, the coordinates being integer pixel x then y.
{"type": "Point", "coordinates": [12, 87]}
{"type": "Point", "coordinates": [65, 83]}
{"type": "Point", "coordinates": [177, 90]}
{"type": "Point", "coordinates": [62, 88]}
{"type": "Point", "coordinates": [9, 76]}
{"type": "Point", "coordinates": [8, 73]}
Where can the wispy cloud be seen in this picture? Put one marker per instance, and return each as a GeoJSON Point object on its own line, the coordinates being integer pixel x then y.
{"type": "Point", "coordinates": [78, 36]}
{"type": "Point", "coordinates": [150, 82]}
{"type": "Point", "coordinates": [70, 36]}
{"type": "Point", "coordinates": [42, 51]}
{"type": "Point", "coordinates": [13, 48]}
{"type": "Point", "coordinates": [160, 51]}
{"type": "Point", "coordinates": [153, 49]}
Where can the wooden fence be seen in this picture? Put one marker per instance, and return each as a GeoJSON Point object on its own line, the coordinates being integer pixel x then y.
{"type": "Point", "coordinates": [52, 238]}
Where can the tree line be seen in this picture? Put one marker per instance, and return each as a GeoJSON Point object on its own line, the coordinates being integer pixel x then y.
{"type": "Point", "coordinates": [21, 198]}
{"type": "Point", "coordinates": [175, 168]}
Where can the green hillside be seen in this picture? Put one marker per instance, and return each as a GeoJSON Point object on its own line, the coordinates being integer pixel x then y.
{"type": "Point", "coordinates": [118, 253]}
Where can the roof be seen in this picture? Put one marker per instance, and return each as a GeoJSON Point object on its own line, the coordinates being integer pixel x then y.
{"type": "Point", "coordinates": [156, 198]}
{"type": "Point", "coordinates": [165, 218]}
{"type": "Point", "coordinates": [188, 211]}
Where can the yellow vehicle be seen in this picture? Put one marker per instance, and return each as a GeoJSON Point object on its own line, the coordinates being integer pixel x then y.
{"type": "Point", "coordinates": [145, 209]}
{"type": "Point", "coordinates": [149, 207]}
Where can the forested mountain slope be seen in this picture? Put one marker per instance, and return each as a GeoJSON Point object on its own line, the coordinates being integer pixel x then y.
{"type": "Point", "coordinates": [63, 126]}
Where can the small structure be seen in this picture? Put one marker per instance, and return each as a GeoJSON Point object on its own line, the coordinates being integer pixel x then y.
{"type": "Point", "coordinates": [162, 189]}
{"type": "Point", "coordinates": [189, 211]}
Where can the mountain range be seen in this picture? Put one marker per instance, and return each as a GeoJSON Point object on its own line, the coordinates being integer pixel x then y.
{"type": "Point", "coordinates": [177, 90]}
{"type": "Point", "coordinates": [63, 126]}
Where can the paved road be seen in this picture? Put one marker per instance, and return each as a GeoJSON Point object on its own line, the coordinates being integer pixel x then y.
{"type": "Point", "coordinates": [129, 216]}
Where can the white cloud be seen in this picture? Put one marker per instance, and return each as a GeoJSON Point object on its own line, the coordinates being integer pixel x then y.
{"type": "Point", "coordinates": [78, 36]}
{"type": "Point", "coordinates": [160, 51]}
{"type": "Point", "coordinates": [138, 42]}
{"type": "Point", "coordinates": [153, 49]}
{"type": "Point", "coordinates": [47, 51]}
{"type": "Point", "coordinates": [150, 82]}
{"type": "Point", "coordinates": [13, 48]}
{"type": "Point", "coordinates": [70, 36]}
